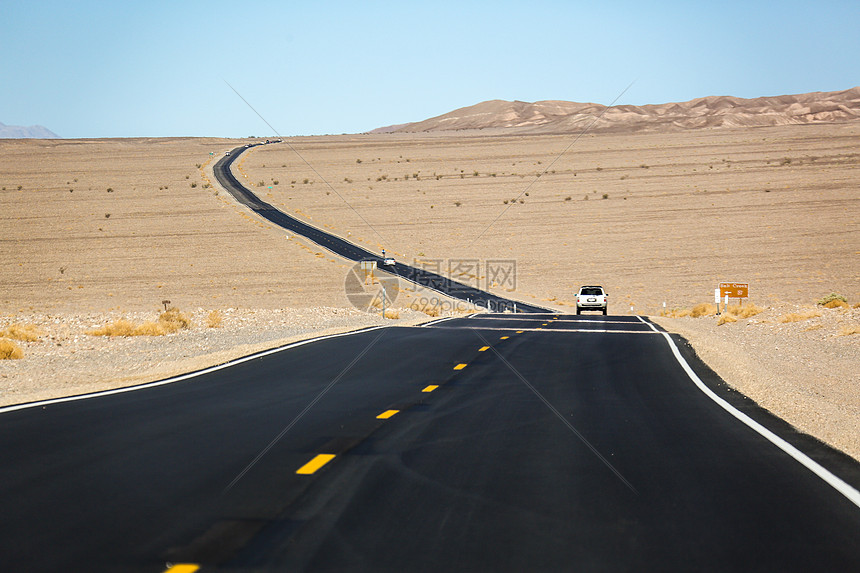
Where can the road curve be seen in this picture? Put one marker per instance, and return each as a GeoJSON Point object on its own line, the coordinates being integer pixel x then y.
{"type": "Point", "coordinates": [352, 252]}
{"type": "Point", "coordinates": [495, 443]}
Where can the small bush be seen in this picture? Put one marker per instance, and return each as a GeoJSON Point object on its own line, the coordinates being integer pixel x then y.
{"type": "Point", "coordinates": [193, 185]}
{"type": "Point", "coordinates": [831, 297]}
{"type": "Point", "coordinates": [22, 332]}
{"type": "Point", "coordinates": [392, 313]}
{"type": "Point", "coordinates": [836, 304]}
{"type": "Point", "coordinates": [9, 350]}
{"type": "Point", "coordinates": [703, 309]}
{"type": "Point", "coordinates": [169, 321]}
{"type": "Point", "coordinates": [744, 311]}
{"type": "Point", "coordinates": [214, 319]}
{"type": "Point", "coordinates": [606, 195]}
{"type": "Point", "coordinates": [799, 316]}
{"type": "Point", "coordinates": [726, 319]}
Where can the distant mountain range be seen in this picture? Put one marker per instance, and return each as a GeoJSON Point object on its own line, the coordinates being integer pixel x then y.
{"type": "Point", "coordinates": [707, 112]}
{"type": "Point", "coordinates": [21, 132]}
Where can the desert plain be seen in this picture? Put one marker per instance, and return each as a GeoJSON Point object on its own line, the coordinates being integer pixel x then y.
{"type": "Point", "coordinates": [96, 230]}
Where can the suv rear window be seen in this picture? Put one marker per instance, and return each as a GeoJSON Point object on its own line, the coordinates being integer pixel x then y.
{"type": "Point", "coordinates": [591, 291]}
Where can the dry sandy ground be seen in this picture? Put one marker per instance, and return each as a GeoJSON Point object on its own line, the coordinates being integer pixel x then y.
{"type": "Point", "coordinates": [775, 207]}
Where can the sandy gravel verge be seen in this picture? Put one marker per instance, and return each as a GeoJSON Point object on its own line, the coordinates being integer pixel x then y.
{"type": "Point", "coordinates": [806, 372]}
{"type": "Point", "coordinates": [67, 361]}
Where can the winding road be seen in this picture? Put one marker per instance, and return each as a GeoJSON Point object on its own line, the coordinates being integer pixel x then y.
{"type": "Point", "coordinates": [342, 247]}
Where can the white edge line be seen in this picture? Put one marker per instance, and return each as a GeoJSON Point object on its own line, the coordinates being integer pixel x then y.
{"type": "Point", "coordinates": [437, 321]}
{"type": "Point", "coordinates": [181, 377]}
{"type": "Point", "coordinates": [849, 492]}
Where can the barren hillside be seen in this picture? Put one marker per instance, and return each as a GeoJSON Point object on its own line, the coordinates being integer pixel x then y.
{"type": "Point", "coordinates": [713, 111]}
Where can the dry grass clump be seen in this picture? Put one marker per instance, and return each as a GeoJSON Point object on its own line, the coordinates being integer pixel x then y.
{"type": "Point", "coordinates": [799, 316]}
{"type": "Point", "coordinates": [428, 310]}
{"type": "Point", "coordinates": [9, 350]}
{"type": "Point", "coordinates": [172, 320]}
{"type": "Point", "coordinates": [392, 313]}
{"type": "Point", "coordinates": [725, 319]}
{"type": "Point", "coordinates": [836, 303]}
{"type": "Point", "coordinates": [214, 319]}
{"type": "Point", "coordinates": [703, 309]}
{"type": "Point", "coordinates": [22, 332]}
{"type": "Point", "coordinates": [744, 311]}
{"type": "Point", "coordinates": [849, 330]}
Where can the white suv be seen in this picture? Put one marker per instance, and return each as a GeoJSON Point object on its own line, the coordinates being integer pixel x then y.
{"type": "Point", "coordinates": [591, 298]}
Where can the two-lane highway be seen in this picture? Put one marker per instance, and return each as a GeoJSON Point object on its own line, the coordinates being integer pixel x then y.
{"type": "Point", "coordinates": [492, 443]}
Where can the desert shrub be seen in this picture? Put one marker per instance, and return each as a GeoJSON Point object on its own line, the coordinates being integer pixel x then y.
{"type": "Point", "coordinates": [837, 304]}
{"type": "Point", "coordinates": [9, 350]}
{"type": "Point", "coordinates": [169, 321]}
{"type": "Point", "coordinates": [392, 313]}
{"type": "Point", "coordinates": [726, 319]}
{"type": "Point", "coordinates": [121, 327]}
{"type": "Point", "coordinates": [703, 309]}
{"type": "Point", "coordinates": [744, 311]}
{"type": "Point", "coordinates": [431, 311]}
{"type": "Point", "coordinates": [831, 297]}
{"type": "Point", "coordinates": [22, 332]}
{"type": "Point", "coordinates": [799, 316]}
{"type": "Point", "coordinates": [172, 320]}
{"type": "Point", "coordinates": [214, 319]}
{"type": "Point", "coordinates": [606, 195]}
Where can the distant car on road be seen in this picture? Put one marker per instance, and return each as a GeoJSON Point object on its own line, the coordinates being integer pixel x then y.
{"type": "Point", "coordinates": [388, 261]}
{"type": "Point", "coordinates": [591, 298]}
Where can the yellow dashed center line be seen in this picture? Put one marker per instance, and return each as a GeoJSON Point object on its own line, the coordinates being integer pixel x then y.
{"type": "Point", "coordinates": [483, 348]}
{"type": "Point", "coordinates": [183, 568]}
{"type": "Point", "coordinates": [460, 366]}
{"type": "Point", "coordinates": [387, 414]}
{"type": "Point", "coordinates": [520, 331]}
{"type": "Point", "coordinates": [430, 388]}
{"type": "Point", "coordinates": [504, 338]}
{"type": "Point", "coordinates": [312, 466]}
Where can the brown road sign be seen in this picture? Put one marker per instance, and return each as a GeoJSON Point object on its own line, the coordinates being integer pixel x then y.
{"type": "Point", "coordinates": [735, 290]}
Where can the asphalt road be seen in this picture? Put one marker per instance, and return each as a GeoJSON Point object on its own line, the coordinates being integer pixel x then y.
{"type": "Point", "coordinates": [495, 443]}
{"type": "Point", "coordinates": [339, 246]}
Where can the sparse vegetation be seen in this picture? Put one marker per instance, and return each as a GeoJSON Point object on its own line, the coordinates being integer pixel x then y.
{"type": "Point", "coordinates": [214, 319]}
{"type": "Point", "coordinates": [849, 330]}
{"type": "Point", "coordinates": [169, 321]}
{"type": "Point", "coordinates": [9, 350]}
{"type": "Point", "coordinates": [726, 319]}
{"type": "Point", "coordinates": [606, 195]}
{"type": "Point", "coordinates": [744, 311]}
{"type": "Point", "coordinates": [799, 316]}
{"type": "Point", "coordinates": [834, 300]}
{"type": "Point", "coordinates": [22, 332]}
{"type": "Point", "coordinates": [193, 184]}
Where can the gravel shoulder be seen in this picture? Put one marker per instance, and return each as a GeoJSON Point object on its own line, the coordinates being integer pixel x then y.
{"type": "Point", "coordinates": [805, 372]}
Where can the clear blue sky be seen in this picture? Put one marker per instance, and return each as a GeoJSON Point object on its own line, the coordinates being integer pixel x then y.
{"type": "Point", "coordinates": [153, 68]}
